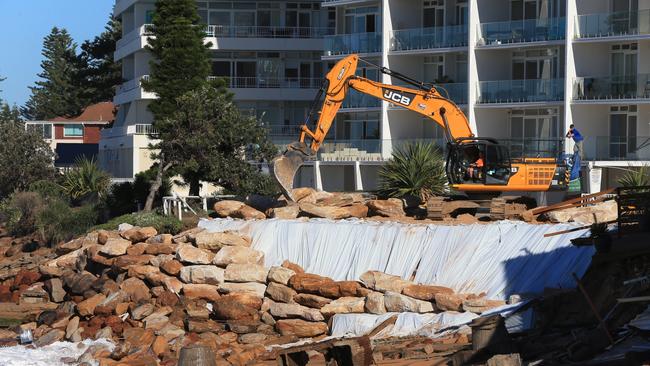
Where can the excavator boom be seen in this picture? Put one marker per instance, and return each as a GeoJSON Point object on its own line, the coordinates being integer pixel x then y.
{"type": "Point", "coordinates": [425, 101]}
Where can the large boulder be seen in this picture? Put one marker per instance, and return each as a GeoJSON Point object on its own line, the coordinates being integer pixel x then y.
{"type": "Point", "coordinates": [383, 282]}
{"type": "Point", "coordinates": [230, 308]}
{"type": "Point", "coordinates": [189, 254]}
{"type": "Point", "coordinates": [449, 302]}
{"type": "Point", "coordinates": [481, 304]}
{"type": "Point", "coordinates": [311, 301]}
{"type": "Point", "coordinates": [398, 303]}
{"type": "Point", "coordinates": [202, 274]}
{"type": "Point", "coordinates": [87, 307]}
{"type": "Point", "coordinates": [252, 288]}
{"type": "Point", "coordinates": [280, 275]}
{"type": "Point", "coordinates": [236, 272]}
{"type": "Point", "coordinates": [115, 247]}
{"type": "Point", "coordinates": [375, 303]}
{"type": "Point", "coordinates": [392, 207]}
{"type": "Point", "coordinates": [599, 212]}
{"type": "Point", "coordinates": [282, 310]}
{"type": "Point", "coordinates": [285, 213]}
{"type": "Point", "coordinates": [215, 241]}
{"type": "Point", "coordinates": [239, 255]}
{"type": "Point", "coordinates": [300, 328]}
{"type": "Point", "coordinates": [136, 289]}
{"type": "Point", "coordinates": [139, 234]}
{"type": "Point", "coordinates": [201, 291]}
{"type": "Point", "coordinates": [236, 209]}
{"type": "Point", "coordinates": [281, 293]}
{"type": "Point", "coordinates": [309, 283]}
{"type": "Point", "coordinates": [344, 305]}
{"type": "Point", "coordinates": [425, 292]}
{"type": "Point", "coordinates": [326, 212]}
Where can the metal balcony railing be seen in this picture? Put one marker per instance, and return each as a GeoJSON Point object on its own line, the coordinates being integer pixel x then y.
{"type": "Point", "coordinates": [612, 87]}
{"type": "Point", "coordinates": [520, 31]}
{"type": "Point", "coordinates": [521, 91]}
{"type": "Point", "coordinates": [633, 147]}
{"type": "Point", "coordinates": [429, 38]}
{"type": "Point", "coordinates": [271, 83]}
{"type": "Point", "coordinates": [145, 129]}
{"type": "Point", "coordinates": [613, 24]}
{"type": "Point", "coordinates": [344, 44]}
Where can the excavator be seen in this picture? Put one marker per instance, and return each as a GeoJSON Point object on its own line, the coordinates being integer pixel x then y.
{"type": "Point", "coordinates": [496, 174]}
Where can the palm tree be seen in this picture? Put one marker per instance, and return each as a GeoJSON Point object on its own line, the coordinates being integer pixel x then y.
{"type": "Point", "coordinates": [636, 178]}
{"type": "Point", "coordinates": [416, 169]}
{"type": "Point", "coordinates": [85, 181]}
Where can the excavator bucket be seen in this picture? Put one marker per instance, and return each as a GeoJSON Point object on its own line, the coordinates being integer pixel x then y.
{"type": "Point", "coordinates": [285, 166]}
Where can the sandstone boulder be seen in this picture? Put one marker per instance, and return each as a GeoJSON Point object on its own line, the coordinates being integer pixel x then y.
{"type": "Point", "coordinates": [87, 307]}
{"type": "Point", "coordinates": [344, 305]}
{"type": "Point", "coordinates": [226, 208]}
{"type": "Point", "coordinates": [383, 282]}
{"type": "Point", "coordinates": [300, 328]}
{"type": "Point", "coordinates": [281, 293]}
{"type": "Point", "coordinates": [392, 207]}
{"type": "Point", "coordinates": [282, 310]}
{"type": "Point", "coordinates": [398, 303]}
{"type": "Point", "coordinates": [215, 241]}
{"type": "Point", "coordinates": [326, 212]}
{"type": "Point", "coordinates": [280, 275]}
{"type": "Point", "coordinates": [292, 266]}
{"type": "Point", "coordinates": [161, 239]}
{"type": "Point", "coordinates": [136, 289]}
{"type": "Point", "coordinates": [309, 283]}
{"type": "Point", "coordinates": [481, 304]}
{"type": "Point", "coordinates": [189, 254]}
{"type": "Point", "coordinates": [139, 234]}
{"type": "Point", "coordinates": [311, 301]}
{"type": "Point", "coordinates": [285, 213]}
{"type": "Point", "coordinates": [230, 308]}
{"type": "Point", "coordinates": [171, 267]}
{"type": "Point", "coordinates": [236, 272]}
{"type": "Point", "coordinates": [201, 291]}
{"type": "Point", "coordinates": [252, 288]}
{"type": "Point", "coordinates": [202, 274]}
{"type": "Point", "coordinates": [449, 302]}
{"type": "Point", "coordinates": [239, 255]}
{"type": "Point", "coordinates": [115, 247]}
{"type": "Point", "coordinates": [425, 292]}
{"type": "Point", "coordinates": [375, 303]}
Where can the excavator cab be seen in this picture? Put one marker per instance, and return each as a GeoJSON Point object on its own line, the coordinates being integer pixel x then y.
{"type": "Point", "coordinates": [478, 161]}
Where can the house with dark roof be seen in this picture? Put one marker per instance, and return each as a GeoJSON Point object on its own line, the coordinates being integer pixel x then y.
{"type": "Point", "coordinates": [75, 137]}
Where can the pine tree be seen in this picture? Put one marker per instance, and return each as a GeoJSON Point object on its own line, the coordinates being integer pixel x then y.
{"type": "Point", "coordinates": [8, 114]}
{"type": "Point", "coordinates": [99, 71]}
{"type": "Point", "coordinates": [59, 92]}
{"type": "Point", "coordinates": [180, 64]}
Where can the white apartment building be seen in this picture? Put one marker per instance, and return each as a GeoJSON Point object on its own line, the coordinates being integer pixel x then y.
{"type": "Point", "coordinates": [522, 70]}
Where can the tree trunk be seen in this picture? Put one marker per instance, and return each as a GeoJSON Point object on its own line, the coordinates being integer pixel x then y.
{"type": "Point", "coordinates": [156, 184]}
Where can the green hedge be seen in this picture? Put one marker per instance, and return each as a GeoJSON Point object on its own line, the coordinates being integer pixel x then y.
{"type": "Point", "coordinates": [163, 224]}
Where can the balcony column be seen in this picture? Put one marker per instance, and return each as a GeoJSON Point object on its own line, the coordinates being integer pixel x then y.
{"type": "Point", "coordinates": [358, 183]}
{"type": "Point", "coordinates": [386, 30]}
{"type": "Point", "coordinates": [318, 181]}
{"type": "Point", "coordinates": [570, 70]}
{"type": "Point", "coordinates": [474, 30]}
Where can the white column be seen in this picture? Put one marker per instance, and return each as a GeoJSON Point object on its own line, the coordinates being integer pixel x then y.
{"type": "Point", "coordinates": [318, 182]}
{"type": "Point", "coordinates": [474, 31]}
{"type": "Point", "coordinates": [358, 183]}
{"type": "Point", "coordinates": [386, 30]}
{"type": "Point", "coordinates": [570, 70]}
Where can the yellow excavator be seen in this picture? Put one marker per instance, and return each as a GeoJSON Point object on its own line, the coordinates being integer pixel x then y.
{"type": "Point", "coordinates": [479, 167]}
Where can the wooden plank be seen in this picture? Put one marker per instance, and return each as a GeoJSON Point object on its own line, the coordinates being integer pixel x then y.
{"type": "Point", "coordinates": [634, 299]}
{"type": "Point", "coordinates": [576, 229]}
{"type": "Point", "coordinates": [557, 206]}
{"type": "Point", "coordinates": [388, 322]}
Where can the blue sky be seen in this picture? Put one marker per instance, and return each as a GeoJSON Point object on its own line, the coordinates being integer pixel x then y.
{"type": "Point", "coordinates": [24, 24]}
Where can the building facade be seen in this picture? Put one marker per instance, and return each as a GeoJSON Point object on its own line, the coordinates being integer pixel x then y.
{"type": "Point", "coordinates": [75, 137]}
{"type": "Point", "coordinates": [522, 70]}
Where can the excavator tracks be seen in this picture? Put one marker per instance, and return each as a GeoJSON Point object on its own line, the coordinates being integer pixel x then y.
{"type": "Point", "coordinates": [501, 208]}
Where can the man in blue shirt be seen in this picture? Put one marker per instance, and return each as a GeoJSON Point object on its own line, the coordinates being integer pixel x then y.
{"type": "Point", "coordinates": [577, 138]}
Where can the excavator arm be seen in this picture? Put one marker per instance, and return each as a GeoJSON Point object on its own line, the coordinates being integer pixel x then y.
{"type": "Point", "coordinates": [425, 101]}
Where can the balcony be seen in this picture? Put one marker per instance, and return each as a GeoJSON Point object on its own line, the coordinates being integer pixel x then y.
{"type": "Point", "coordinates": [612, 87]}
{"type": "Point", "coordinates": [457, 92]}
{"type": "Point", "coordinates": [267, 32]}
{"type": "Point", "coordinates": [357, 100]}
{"type": "Point", "coordinates": [521, 91]}
{"type": "Point", "coordinates": [614, 24]}
{"type": "Point", "coordinates": [364, 150]}
{"type": "Point", "coordinates": [607, 148]}
{"type": "Point", "coordinates": [429, 38]}
{"type": "Point", "coordinates": [522, 31]}
{"type": "Point", "coordinates": [270, 83]}
{"type": "Point", "coordinates": [345, 44]}
{"type": "Point", "coordinates": [521, 148]}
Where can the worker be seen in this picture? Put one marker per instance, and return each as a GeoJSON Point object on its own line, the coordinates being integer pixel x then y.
{"type": "Point", "coordinates": [574, 134]}
{"type": "Point", "coordinates": [476, 167]}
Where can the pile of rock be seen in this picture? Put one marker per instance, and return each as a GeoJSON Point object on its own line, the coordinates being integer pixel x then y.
{"type": "Point", "coordinates": [312, 203]}
{"type": "Point", "coordinates": [154, 294]}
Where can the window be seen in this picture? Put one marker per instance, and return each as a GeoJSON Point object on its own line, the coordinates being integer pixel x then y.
{"type": "Point", "coordinates": [44, 129]}
{"type": "Point", "coordinates": [534, 132]}
{"type": "Point", "coordinates": [433, 14]}
{"type": "Point", "coordinates": [434, 69]}
{"type": "Point", "coordinates": [73, 130]}
{"type": "Point", "coordinates": [622, 131]}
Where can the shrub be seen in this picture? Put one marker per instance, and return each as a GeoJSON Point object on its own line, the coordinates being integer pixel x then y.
{"type": "Point", "coordinates": [414, 170]}
{"type": "Point", "coordinates": [48, 189]}
{"type": "Point", "coordinates": [636, 177]}
{"type": "Point", "coordinates": [60, 222]}
{"type": "Point", "coordinates": [20, 212]}
{"type": "Point", "coordinates": [86, 182]}
{"type": "Point", "coordinates": [162, 223]}
{"type": "Point", "coordinates": [128, 197]}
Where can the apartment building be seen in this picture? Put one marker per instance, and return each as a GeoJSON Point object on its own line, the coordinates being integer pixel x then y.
{"type": "Point", "coordinates": [74, 137]}
{"type": "Point", "coordinates": [269, 52]}
{"type": "Point", "coordinates": [522, 70]}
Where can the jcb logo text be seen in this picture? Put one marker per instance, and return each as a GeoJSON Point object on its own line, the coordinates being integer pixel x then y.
{"type": "Point", "coordinates": [396, 97]}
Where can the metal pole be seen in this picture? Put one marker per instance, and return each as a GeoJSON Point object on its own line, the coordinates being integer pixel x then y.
{"type": "Point", "coordinates": [593, 308]}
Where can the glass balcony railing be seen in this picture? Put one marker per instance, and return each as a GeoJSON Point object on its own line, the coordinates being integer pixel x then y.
{"type": "Point", "coordinates": [614, 24]}
{"type": "Point", "coordinates": [344, 44]}
{"type": "Point", "coordinates": [521, 91]}
{"type": "Point", "coordinates": [267, 32]}
{"type": "Point", "coordinates": [429, 38]}
{"type": "Point", "coordinates": [286, 131]}
{"type": "Point", "coordinates": [533, 148]}
{"type": "Point", "coordinates": [612, 87]}
{"type": "Point", "coordinates": [358, 100]}
{"type": "Point", "coordinates": [271, 82]}
{"type": "Point", "coordinates": [520, 31]}
{"type": "Point", "coordinates": [454, 91]}
{"type": "Point", "coordinates": [617, 148]}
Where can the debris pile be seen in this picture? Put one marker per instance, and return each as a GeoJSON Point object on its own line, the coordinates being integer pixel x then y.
{"type": "Point", "coordinates": [153, 294]}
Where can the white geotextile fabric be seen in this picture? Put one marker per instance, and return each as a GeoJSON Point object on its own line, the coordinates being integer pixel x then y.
{"type": "Point", "coordinates": [501, 258]}
{"type": "Point", "coordinates": [55, 354]}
